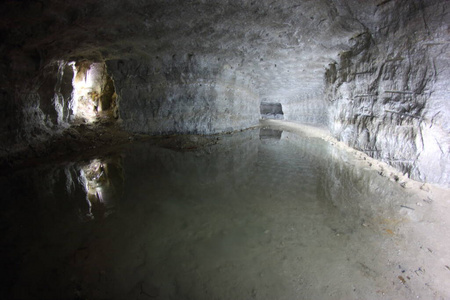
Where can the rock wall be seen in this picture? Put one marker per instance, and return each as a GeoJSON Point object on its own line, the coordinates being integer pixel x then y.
{"type": "Point", "coordinates": [388, 95]}
{"type": "Point", "coordinates": [309, 109]}
{"type": "Point", "coordinates": [205, 66]}
{"type": "Point", "coordinates": [183, 94]}
{"type": "Point", "coordinates": [35, 102]}
{"type": "Point", "coordinates": [179, 66]}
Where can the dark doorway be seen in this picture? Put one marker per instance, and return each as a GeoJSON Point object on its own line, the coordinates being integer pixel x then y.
{"type": "Point", "coordinates": [271, 110]}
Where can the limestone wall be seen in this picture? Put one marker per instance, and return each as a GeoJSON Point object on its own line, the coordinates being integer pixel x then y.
{"type": "Point", "coordinates": [388, 95]}
{"type": "Point", "coordinates": [183, 94]}
{"type": "Point", "coordinates": [34, 103]}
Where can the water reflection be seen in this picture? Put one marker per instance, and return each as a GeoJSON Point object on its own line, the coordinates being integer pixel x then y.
{"type": "Point", "coordinates": [104, 186]}
{"type": "Point", "coordinates": [360, 194]}
{"type": "Point", "coordinates": [245, 218]}
{"type": "Point", "coordinates": [270, 134]}
{"type": "Point", "coordinates": [82, 190]}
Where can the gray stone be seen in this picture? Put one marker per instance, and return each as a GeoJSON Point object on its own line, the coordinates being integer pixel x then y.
{"type": "Point", "coordinates": [386, 93]}
{"type": "Point", "coordinates": [188, 99]}
{"type": "Point", "coordinates": [376, 73]}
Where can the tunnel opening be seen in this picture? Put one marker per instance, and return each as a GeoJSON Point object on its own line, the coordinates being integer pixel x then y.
{"type": "Point", "coordinates": [270, 134]}
{"type": "Point", "coordinates": [271, 110]}
{"type": "Point", "coordinates": [93, 92]}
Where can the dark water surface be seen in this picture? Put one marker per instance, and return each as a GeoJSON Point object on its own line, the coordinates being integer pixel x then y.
{"type": "Point", "coordinates": [261, 215]}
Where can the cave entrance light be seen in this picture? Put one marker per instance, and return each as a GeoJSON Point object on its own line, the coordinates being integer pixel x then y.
{"type": "Point", "coordinates": [93, 90]}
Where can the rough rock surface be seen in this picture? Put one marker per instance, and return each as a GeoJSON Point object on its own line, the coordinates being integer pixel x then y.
{"type": "Point", "coordinates": [196, 66]}
{"type": "Point", "coordinates": [183, 95]}
{"type": "Point", "coordinates": [35, 106]}
{"type": "Point", "coordinates": [389, 93]}
{"type": "Point", "coordinates": [205, 66]}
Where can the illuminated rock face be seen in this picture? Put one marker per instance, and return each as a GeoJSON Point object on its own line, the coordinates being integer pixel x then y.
{"type": "Point", "coordinates": [93, 90]}
{"type": "Point", "coordinates": [36, 106]}
{"type": "Point", "coordinates": [197, 66]}
{"type": "Point", "coordinates": [389, 93]}
{"type": "Point", "coordinates": [206, 66]}
{"type": "Point", "coordinates": [187, 99]}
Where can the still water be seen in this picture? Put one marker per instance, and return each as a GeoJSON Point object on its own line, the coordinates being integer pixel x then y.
{"type": "Point", "coordinates": [263, 214]}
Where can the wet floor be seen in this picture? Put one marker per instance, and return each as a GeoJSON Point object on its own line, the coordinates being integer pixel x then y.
{"type": "Point", "coordinates": [263, 214]}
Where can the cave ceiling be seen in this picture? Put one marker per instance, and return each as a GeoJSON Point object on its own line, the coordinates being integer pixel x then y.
{"type": "Point", "coordinates": [283, 46]}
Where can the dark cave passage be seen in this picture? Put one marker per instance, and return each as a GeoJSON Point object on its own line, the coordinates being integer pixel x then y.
{"type": "Point", "coordinates": [218, 149]}
{"type": "Point", "coordinates": [271, 111]}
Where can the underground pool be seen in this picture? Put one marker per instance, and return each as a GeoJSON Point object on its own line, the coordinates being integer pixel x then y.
{"type": "Point", "coordinates": [259, 214]}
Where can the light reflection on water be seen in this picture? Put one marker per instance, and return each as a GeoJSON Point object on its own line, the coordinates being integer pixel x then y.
{"type": "Point", "coordinates": [103, 182]}
{"type": "Point", "coordinates": [263, 214]}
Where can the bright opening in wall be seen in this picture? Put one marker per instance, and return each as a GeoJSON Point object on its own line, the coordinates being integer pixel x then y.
{"type": "Point", "coordinates": [93, 90]}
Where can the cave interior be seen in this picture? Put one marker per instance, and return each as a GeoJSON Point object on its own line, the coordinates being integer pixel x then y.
{"type": "Point", "coordinates": [375, 74]}
{"type": "Point", "coordinates": [77, 76]}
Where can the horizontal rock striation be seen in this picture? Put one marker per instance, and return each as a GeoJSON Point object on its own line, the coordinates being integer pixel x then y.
{"type": "Point", "coordinates": [308, 109]}
{"type": "Point", "coordinates": [388, 95]}
{"type": "Point", "coordinates": [183, 94]}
